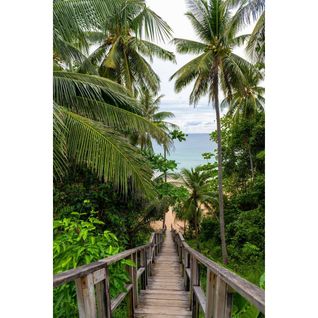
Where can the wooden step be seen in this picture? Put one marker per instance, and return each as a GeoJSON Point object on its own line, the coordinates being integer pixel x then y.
{"type": "Point", "coordinates": [165, 295]}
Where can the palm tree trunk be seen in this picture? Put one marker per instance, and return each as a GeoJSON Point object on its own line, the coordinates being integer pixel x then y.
{"type": "Point", "coordinates": [196, 227]}
{"type": "Point", "coordinates": [165, 173]}
{"type": "Point", "coordinates": [165, 156]}
{"type": "Point", "coordinates": [251, 160]}
{"type": "Point", "coordinates": [220, 178]}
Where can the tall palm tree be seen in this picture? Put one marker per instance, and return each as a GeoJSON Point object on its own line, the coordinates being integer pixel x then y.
{"type": "Point", "coordinates": [215, 67]}
{"type": "Point", "coordinates": [124, 45]}
{"type": "Point", "coordinates": [245, 103]}
{"type": "Point", "coordinates": [197, 182]}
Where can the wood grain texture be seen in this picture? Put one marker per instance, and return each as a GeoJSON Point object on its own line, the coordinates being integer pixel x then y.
{"type": "Point", "coordinates": [249, 291]}
{"type": "Point", "coordinates": [86, 297]}
{"type": "Point", "coordinates": [165, 295]}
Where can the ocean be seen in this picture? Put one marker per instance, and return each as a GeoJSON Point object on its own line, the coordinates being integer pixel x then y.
{"type": "Point", "coordinates": [188, 154]}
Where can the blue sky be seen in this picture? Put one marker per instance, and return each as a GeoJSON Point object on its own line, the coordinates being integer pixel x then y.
{"type": "Point", "coordinates": [191, 120]}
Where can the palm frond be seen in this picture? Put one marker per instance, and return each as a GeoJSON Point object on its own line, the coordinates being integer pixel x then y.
{"type": "Point", "coordinates": [60, 132]}
{"type": "Point", "coordinates": [256, 43]}
{"type": "Point", "coordinates": [114, 117]}
{"type": "Point", "coordinates": [108, 154]}
{"type": "Point", "coordinates": [68, 85]}
{"type": "Point", "coordinates": [187, 46]}
{"type": "Point", "coordinates": [147, 23]}
{"type": "Point", "coordinates": [150, 50]}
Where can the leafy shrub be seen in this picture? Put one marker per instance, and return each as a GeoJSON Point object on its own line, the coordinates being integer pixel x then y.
{"type": "Point", "coordinates": [209, 230]}
{"type": "Point", "coordinates": [78, 242]}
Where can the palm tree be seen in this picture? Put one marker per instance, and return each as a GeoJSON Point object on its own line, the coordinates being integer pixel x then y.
{"type": "Point", "coordinates": [252, 10]}
{"type": "Point", "coordinates": [93, 114]}
{"type": "Point", "coordinates": [216, 66]}
{"type": "Point", "coordinates": [248, 100]}
{"type": "Point", "coordinates": [197, 182]}
{"type": "Point", "coordinates": [150, 110]}
{"type": "Point", "coordinates": [124, 38]}
{"type": "Point", "coordinates": [245, 103]}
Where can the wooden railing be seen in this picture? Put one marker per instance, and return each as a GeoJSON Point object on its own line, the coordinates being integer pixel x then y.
{"type": "Point", "coordinates": [221, 283]}
{"type": "Point", "coordinates": [92, 280]}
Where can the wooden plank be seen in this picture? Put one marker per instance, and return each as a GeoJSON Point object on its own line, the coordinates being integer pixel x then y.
{"type": "Point", "coordinates": [101, 299]}
{"type": "Point", "coordinates": [165, 295]}
{"type": "Point", "coordinates": [229, 304]}
{"type": "Point", "coordinates": [117, 301]}
{"type": "Point", "coordinates": [107, 294]}
{"type": "Point", "coordinates": [159, 310]}
{"type": "Point", "coordinates": [210, 288]}
{"type": "Point", "coordinates": [84, 270]}
{"type": "Point", "coordinates": [140, 271]}
{"type": "Point", "coordinates": [195, 277]}
{"type": "Point", "coordinates": [134, 280]}
{"type": "Point", "coordinates": [164, 302]}
{"type": "Point", "coordinates": [249, 291]}
{"type": "Point", "coordinates": [162, 316]}
{"type": "Point", "coordinates": [99, 275]}
{"type": "Point", "coordinates": [220, 298]}
{"type": "Point", "coordinates": [86, 297]}
{"type": "Point", "coordinates": [200, 297]}
{"type": "Point", "coordinates": [145, 265]}
{"type": "Point", "coordinates": [131, 304]}
{"type": "Point", "coordinates": [176, 292]}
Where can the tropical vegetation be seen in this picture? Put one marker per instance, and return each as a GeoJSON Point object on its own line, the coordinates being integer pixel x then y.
{"type": "Point", "coordinates": [109, 184]}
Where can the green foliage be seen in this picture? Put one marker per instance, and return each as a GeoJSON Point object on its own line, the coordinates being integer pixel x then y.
{"type": "Point", "coordinates": [127, 217]}
{"type": "Point", "coordinates": [78, 242]}
{"type": "Point", "coordinates": [159, 163]}
{"type": "Point", "coordinates": [93, 115]}
{"type": "Point", "coordinates": [178, 134]}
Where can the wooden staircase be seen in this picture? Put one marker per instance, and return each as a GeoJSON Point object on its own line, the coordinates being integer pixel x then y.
{"type": "Point", "coordinates": [165, 282]}
{"type": "Point", "coordinates": [165, 295]}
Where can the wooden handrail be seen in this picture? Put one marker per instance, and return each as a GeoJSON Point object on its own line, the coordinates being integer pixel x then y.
{"type": "Point", "coordinates": [92, 280]}
{"type": "Point", "coordinates": [221, 283]}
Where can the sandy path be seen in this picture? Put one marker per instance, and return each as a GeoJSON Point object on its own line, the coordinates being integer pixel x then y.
{"type": "Point", "coordinates": [170, 219]}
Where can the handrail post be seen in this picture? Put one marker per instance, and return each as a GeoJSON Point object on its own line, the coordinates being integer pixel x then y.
{"type": "Point", "coordinates": [210, 293]}
{"type": "Point", "coordinates": [86, 296]}
{"type": "Point", "coordinates": [155, 245]}
{"type": "Point", "coordinates": [182, 260]}
{"type": "Point", "coordinates": [186, 265]}
{"type": "Point", "coordinates": [135, 283]}
{"type": "Point", "coordinates": [195, 281]}
{"type": "Point", "coordinates": [131, 299]}
{"type": "Point", "coordinates": [158, 243]}
{"type": "Point", "coordinates": [103, 308]}
{"type": "Point", "coordinates": [143, 263]}
{"type": "Point", "coordinates": [223, 300]}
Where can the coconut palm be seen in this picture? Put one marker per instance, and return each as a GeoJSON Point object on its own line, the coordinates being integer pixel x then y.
{"type": "Point", "coordinates": [197, 182]}
{"type": "Point", "coordinates": [248, 100]}
{"type": "Point", "coordinates": [124, 45]}
{"type": "Point", "coordinates": [93, 114]}
{"type": "Point", "coordinates": [215, 67]}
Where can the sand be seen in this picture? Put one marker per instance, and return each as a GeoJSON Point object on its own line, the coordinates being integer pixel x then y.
{"type": "Point", "coordinates": [170, 220]}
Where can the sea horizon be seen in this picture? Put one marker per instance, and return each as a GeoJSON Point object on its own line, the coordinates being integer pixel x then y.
{"type": "Point", "coordinates": [188, 153]}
